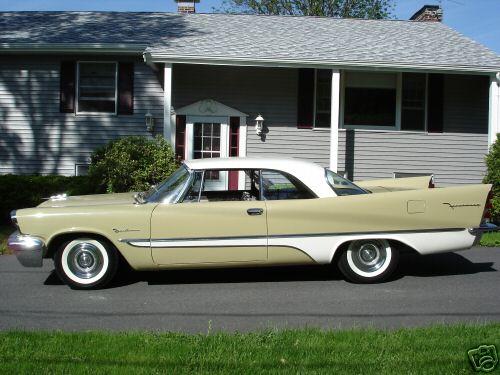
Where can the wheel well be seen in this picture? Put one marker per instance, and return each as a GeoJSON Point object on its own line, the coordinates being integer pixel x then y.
{"type": "Point", "coordinates": [57, 241]}
{"type": "Point", "coordinates": [402, 248]}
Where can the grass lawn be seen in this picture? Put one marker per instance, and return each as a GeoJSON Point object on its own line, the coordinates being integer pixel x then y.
{"type": "Point", "coordinates": [491, 239]}
{"type": "Point", "coordinates": [435, 350]}
{"type": "Point", "coordinates": [5, 231]}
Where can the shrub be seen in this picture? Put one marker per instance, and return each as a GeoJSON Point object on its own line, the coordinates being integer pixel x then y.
{"type": "Point", "coordinates": [29, 191]}
{"type": "Point", "coordinates": [132, 164]}
{"type": "Point", "coordinates": [493, 176]}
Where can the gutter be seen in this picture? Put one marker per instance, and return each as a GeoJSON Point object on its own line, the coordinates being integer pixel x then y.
{"type": "Point", "coordinates": [114, 48]}
{"type": "Point", "coordinates": [328, 64]}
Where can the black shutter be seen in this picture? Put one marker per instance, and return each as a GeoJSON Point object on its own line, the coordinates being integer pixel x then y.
{"type": "Point", "coordinates": [126, 88]}
{"type": "Point", "coordinates": [180, 137]}
{"type": "Point", "coordinates": [305, 99]}
{"type": "Point", "coordinates": [67, 87]}
{"type": "Point", "coordinates": [435, 103]}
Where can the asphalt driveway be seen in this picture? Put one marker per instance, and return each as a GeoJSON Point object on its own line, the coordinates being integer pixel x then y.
{"type": "Point", "coordinates": [454, 287]}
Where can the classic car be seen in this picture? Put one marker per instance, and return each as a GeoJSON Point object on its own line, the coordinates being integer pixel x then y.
{"type": "Point", "coordinates": [234, 212]}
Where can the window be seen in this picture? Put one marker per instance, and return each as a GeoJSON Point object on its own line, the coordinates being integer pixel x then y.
{"type": "Point", "coordinates": [219, 191]}
{"type": "Point", "coordinates": [170, 189]}
{"type": "Point", "coordinates": [413, 100]}
{"type": "Point", "coordinates": [97, 87]}
{"type": "Point", "coordinates": [370, 99]}
{"type": "Point", "coordinates": [340, 185]}
{"type": "Point", "coordinates": [314, 98]}
{"type": "Point", "coordinates": [278, 186]}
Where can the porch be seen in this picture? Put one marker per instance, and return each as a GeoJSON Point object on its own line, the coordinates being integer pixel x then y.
{"type": "Point", "coordinates": [365, 124]}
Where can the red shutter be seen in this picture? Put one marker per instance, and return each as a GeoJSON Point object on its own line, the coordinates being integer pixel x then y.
{"type": "Point", "coordinates": [180, 137]}
{"type": "Point", "coordinates": [435, 103]}
{"type": "Point", "coordinates": [67, 87]}
{"type": "Point", "coordinates": [305, 99]}
{"type": "Point", "coordinates": [234, 140]}
{"type": "Point", "coordinates": [126, 88]}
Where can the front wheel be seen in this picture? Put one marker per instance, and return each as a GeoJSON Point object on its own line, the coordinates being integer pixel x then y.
{"type": "Point", "coordinates": [86, 263]}
{"type": "Point", "coordinates": [368, 261]}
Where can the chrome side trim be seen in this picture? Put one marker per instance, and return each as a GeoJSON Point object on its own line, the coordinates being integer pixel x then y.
{"type": "Point", "coordinates": [29, 250]}
{"type": "Point", "coordinates": [231, 241]}
{"type": "Point", "coordinates": [484, 227]}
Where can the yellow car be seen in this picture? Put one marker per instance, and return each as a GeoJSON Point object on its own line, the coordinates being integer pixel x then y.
{"type": "Point", "coordinates": [250, 212]}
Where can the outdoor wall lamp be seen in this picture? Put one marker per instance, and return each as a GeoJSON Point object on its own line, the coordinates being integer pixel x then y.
{"type": "Point", "coordinates": [150, 122]}
{"type": "Point", "coordinates": [259, 120]}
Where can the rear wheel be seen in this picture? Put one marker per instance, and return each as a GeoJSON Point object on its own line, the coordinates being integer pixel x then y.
{"type": "Point", "coordinates": [368, 261]}
{"type": "Point", "coordinates": [86, 263]}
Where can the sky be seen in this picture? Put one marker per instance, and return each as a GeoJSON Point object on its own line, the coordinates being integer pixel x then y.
{"type": "Point", "coordinates": [477, 19]}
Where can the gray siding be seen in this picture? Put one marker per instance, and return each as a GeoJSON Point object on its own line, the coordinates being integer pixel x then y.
{"type": "Point", "coordinates": [271, 92]}
{"type": "Point", "coordinates": [36, 138]}
{"type": "Point", "coordinates": [451, 157]}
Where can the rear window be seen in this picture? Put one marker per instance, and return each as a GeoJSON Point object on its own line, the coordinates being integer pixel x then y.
{"type": "Point", "coordinates": [341, 185]}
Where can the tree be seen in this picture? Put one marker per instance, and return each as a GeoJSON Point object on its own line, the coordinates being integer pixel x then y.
{"type": "Point", "coordinates": [493, 176]}
{"type": "Point", "coordinates": [369, 9]}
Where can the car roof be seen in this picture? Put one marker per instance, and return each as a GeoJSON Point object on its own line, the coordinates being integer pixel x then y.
{"type": "Point", "coordinates": [309, 173]}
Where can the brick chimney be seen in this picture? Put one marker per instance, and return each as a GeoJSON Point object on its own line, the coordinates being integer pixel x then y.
{"type": "Point", "coordinates": [428, 13]}
{"type": "Point", "coordinates": [186, 6]}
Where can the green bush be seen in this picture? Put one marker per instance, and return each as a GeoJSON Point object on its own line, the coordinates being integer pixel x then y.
{"type": "Point", "coordinates": [493, 176]}
{"type": "Point", "coordinates": [29, 191]}
{"type": "Point", "coordinates": [132, 164]}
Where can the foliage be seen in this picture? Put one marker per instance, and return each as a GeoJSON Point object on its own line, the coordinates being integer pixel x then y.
{"type": "Point", "coordinates": [432, 350]}
{"type": "Point", "coordinates": [29, 191]}
{"type": "Point", "coordinates": [132, 164]}
{"type": "Point", "coordinates": [5, 231]}
{"type": "Point", "coordinates": [493, 176]}
{"type": "Point", "coordinates": [369, 9]}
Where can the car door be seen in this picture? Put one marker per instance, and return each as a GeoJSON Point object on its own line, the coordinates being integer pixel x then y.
{"type": "Point", "coordinates": [204, 232]}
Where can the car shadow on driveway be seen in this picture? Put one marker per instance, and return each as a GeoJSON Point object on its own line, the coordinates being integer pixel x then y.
{"type": "Point", "coordinates": [415, 265]}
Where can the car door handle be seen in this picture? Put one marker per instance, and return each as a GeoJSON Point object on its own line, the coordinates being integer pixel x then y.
{"type": "Point", "coordinates": [255, 211]}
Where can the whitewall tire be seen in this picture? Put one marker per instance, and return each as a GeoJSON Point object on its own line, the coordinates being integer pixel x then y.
{"type": "Point", "coordinates": [86, 263]}
{"type": "Point", "coordinates": [368, 261]}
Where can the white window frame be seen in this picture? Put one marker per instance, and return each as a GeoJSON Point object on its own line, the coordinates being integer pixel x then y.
{"type": "Point", "coordinates": [77, 99]}
{"type": "Point", "coordinates": [399, 104]}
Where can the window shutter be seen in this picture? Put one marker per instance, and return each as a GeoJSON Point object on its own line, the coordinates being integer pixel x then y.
{"type": "Point", "coordinates": [126, 88]}
{"type": "Point", "coordinates": [67, 87]}
{"type": "Point", "coordinates": [435, 103]}
{"type": "Point", "coordinates": [180, 137]}
{"type": "Point", "coordinates": [234, 140]}
{"type": "Point", "coordinates": [305, 99]}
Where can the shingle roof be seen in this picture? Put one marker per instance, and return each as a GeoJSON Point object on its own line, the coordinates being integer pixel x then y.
{"type": "Point", "coordinates": [252, 38]}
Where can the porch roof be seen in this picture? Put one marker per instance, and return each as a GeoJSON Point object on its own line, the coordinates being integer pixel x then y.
{"type": "Point", "coordinates": [250, 39]}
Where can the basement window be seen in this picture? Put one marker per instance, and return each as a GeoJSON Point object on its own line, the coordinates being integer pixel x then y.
{"type": "Point", "coordinates": [97, 87]}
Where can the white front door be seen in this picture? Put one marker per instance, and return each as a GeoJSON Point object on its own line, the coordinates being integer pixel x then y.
{"type": "Point", "coordinates": [208, 137]}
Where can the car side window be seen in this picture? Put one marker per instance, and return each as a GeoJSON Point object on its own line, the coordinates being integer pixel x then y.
{"type": "Point", "coordinates": [223, 185]}
{"type": "Point", "coordinates": [279, 186]}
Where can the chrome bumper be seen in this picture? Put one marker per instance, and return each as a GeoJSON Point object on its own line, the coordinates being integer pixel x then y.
{"type": "Point", "coordinates": [485, 227]}
{"type": "Point", "coordinates": [29, 250]}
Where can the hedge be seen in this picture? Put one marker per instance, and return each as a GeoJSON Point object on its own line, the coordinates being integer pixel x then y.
{"type": "Point", "coordinates": [29, 191]}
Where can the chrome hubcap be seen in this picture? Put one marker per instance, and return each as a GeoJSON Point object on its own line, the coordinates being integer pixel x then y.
{"type": "Point", "coordinates": [85, 260]}
{"type": "Point", "coordinates": [368, 256]}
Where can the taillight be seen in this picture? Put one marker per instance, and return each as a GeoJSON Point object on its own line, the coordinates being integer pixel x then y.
{"type": "Point", "coordinates": [488, 207]}
{"type": "Point", "coordinates": [431, 183]}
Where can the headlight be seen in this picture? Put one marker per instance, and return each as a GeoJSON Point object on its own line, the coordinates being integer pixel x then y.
{"type": "Point", "coordinates": [13, 218]}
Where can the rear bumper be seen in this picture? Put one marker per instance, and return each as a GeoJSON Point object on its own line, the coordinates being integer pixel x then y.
{"type": "Point", "coordinates": [29, 250]}
{"type": "Point", "coordinates": [485, 227]}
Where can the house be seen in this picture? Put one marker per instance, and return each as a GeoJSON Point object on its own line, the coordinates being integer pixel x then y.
{"type": "Point", "coordinates": [368, 98]}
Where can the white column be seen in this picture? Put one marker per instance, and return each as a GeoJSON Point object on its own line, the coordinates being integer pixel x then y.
{"type": "Point", "coordinates": [168, 124]}
{"type": "Point", "coordinates": [334, 120]}
{"type": "Point", "coordinates": [494, 113]}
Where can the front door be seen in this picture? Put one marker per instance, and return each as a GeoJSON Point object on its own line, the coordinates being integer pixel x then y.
{"type": "Point", "coordinates": [208, 138]}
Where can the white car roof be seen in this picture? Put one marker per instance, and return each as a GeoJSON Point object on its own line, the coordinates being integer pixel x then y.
{"type": "Point", "coordinates": [310, 174]}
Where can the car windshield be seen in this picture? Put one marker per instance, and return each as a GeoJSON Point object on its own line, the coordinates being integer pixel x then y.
{"type": "Point", "coordinates": [169, 190]}
{"type": "Point", "coordinates": [341, 185]}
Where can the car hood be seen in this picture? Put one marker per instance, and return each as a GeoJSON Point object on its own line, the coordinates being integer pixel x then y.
{"type": "Point", "coordinates": [89, 200]}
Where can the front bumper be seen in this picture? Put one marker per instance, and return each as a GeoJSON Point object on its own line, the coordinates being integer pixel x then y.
{"type": "Point", "coordinates": [29, 250]}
